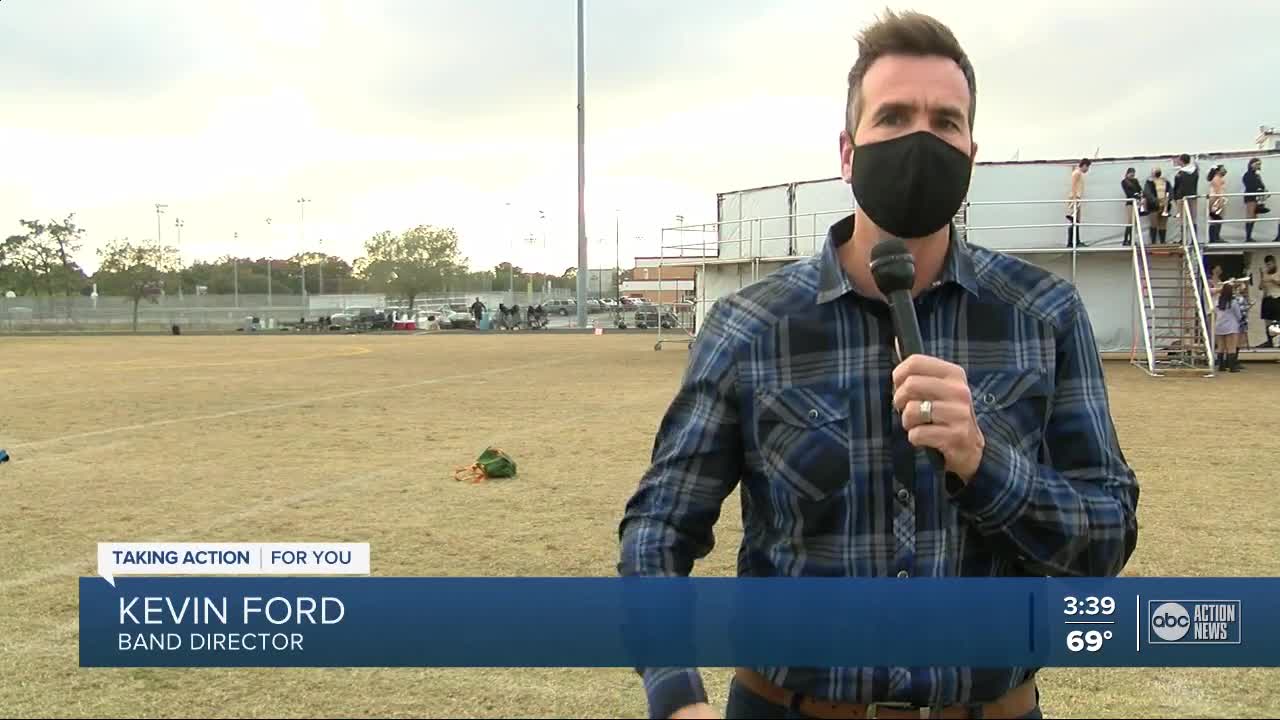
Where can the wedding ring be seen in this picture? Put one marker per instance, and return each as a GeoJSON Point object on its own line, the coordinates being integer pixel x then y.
{"type": "Point", "coordinates": [926, 412]}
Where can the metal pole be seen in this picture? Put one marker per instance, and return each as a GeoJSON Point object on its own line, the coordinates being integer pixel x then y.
{"type": "Point", "coordinates": [511, 244]}
{"type": "Point", "coordinates": [178, 224]}
{"type": "Point", "coordinates": [617, 257]}
{"type": "Point", "coordinates": [320, 268]}
{"type": "Point", "coordinates": [302, 240]}
{"type": "Point", "coordinates": [159, 211]}
{"type": "Point", "coordinates": [582, 181]}
{"type": "Point", "coordinates": [235, 268]}
{"type": "Point", "coordinates": [269, 264]}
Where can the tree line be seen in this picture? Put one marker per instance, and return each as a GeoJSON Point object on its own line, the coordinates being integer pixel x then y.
{"type": "Point", "coordinates": [405, 265]}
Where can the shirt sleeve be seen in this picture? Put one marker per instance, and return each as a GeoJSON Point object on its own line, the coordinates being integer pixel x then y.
{"type": "Point", "coordinates": [1078, 515]}
{"type": "Point", "coordinates": [695, 465]}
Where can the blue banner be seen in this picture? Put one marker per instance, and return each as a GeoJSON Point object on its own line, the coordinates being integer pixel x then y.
{"type": "Point", "coordinates": [704, 622]}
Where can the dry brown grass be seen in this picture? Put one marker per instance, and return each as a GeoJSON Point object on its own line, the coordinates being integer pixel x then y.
{"type": "Point", "coordinates": [354, 439]}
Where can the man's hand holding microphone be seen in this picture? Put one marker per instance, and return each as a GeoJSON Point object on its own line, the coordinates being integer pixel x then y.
{"type": "Point", "coordinates": [932, 395]}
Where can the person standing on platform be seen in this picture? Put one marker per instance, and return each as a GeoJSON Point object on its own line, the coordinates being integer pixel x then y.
{"type": "Point", "coordinates": [1132, 190]}
{"type": "Point", "coordinates": [1186, 183]}
{"type": "Point", "coordinates": [795, 396]}
{"type": "Point", "coordinates": [1156, 193]}
{"type": "Point", "coordinates": [1074, 196]}
{"type": "Point", "coordinates": [1217, 202]}
{"type": "Point", "coordinates": [1254, 202]}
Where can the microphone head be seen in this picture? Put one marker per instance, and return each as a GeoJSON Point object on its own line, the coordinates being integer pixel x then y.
{"type": "Point", "coordinates": [892, 266]}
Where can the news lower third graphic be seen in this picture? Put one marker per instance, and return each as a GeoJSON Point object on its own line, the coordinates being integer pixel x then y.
{"type": "Point", "coordinates": [289, 605]}
{"type": "Point", "coordinates": [232, 559]}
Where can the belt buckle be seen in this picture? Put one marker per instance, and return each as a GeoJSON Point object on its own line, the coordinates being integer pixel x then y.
{"type": "Point", "coordinates": [873, 709]}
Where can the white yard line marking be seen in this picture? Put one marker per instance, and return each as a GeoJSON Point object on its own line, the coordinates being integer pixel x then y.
{"type": "Point", "coordinates": [87, 564]}
{"type": "Point", "coordinates": [271, 406]}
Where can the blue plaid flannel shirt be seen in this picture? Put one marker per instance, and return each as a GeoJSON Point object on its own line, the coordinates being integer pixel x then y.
{"type": "Point", "coordinates": [788, 394]}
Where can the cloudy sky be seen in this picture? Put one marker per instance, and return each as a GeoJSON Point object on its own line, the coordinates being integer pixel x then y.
{"type": "Point", "coordinates": [393, 113]}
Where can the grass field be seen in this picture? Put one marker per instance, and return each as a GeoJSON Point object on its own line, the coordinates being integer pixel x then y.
{"type": "Point", "coordinates": [354, 438]}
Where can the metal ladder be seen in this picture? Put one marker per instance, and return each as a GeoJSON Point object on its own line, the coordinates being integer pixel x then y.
{"type": "Point", "coordinates": [1171, 288]}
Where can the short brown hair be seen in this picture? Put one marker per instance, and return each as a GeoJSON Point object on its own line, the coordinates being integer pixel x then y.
{"type": "Point", "coordinates": [908, 33]}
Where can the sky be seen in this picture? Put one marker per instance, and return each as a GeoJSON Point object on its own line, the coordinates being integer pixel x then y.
{"type": "Point", "coordinates": [387, 114]}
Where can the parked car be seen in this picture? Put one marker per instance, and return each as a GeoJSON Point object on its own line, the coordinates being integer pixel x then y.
{"type": "Point", "coordinates": [363, 318]}
{"type": "Point", "coordinates": [438, 314]}
{"type": "Point", "coordinates": [448, 316]}
{"type": "Point", "coordinates": [560, 306]}
{"type": "Point", "coordinates": [460, 317]}
{"type": "Point", "coordinates": [648, 317]}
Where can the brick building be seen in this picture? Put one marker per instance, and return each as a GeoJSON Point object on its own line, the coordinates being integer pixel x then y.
{"type": "Point", "coordinates": [677, 284]}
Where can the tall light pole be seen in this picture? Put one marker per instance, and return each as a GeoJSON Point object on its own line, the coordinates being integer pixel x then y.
{"type": "Point", "coordinates": [302, 240]}
{"type": "Point", "coordinates": [542, 227]}
{"type": "Point", "coordinates": [637, 241]}
{"type": "Point", "coordinates": [178, 224]}
{"type": "Point", "coordinates": [235, 266]}
{"type": "Point", "coordinates": [160, 211]}
{"type": "Point", "coordinates": [617, 253]}
{"type": "Point", "coordinates": [320, 269]}
{"type": "Point", "coordinates": [582, 181]}
{"type": "Point", "coordinates": [511, 244]}
{"type": "Point", "coordinates": [268, 263]}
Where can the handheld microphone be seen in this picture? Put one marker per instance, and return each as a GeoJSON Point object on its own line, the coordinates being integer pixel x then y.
{"type": "Point", "coordinates": [894, 270]}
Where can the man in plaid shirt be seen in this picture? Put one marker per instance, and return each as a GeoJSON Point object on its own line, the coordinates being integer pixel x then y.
{"type": "Point", "coordinates": [794, 394]}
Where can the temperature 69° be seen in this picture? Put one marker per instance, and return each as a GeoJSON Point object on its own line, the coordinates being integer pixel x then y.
{"type": "Point", "coordinates": [1089, 641]}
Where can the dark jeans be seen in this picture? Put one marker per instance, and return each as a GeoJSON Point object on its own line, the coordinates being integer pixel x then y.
{"type": "Point", "coordinates": [745, 704]}
{"type": "Point", "coordinates": [1215, 231]}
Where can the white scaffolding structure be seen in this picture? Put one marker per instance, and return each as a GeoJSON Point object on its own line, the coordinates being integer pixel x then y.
{"type": "Point", "coordinates": [752, 237]}
{"type": "Point", "coordinates": [1163, 322]}
{"type": "Point", "coordinates": [761, 229]}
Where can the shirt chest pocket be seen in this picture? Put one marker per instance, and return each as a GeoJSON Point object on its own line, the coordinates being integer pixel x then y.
{"type": "Point", "coordinates": [1015, 404]}
{"type": "Point", "coordinates": [803, 435]}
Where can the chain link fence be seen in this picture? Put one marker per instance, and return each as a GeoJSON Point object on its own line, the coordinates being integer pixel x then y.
{"type": "Point", "coordinates": [44, 314]}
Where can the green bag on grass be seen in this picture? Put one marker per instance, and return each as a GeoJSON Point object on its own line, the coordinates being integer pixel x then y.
{"type": "Point", "coordinates": [492, 463]}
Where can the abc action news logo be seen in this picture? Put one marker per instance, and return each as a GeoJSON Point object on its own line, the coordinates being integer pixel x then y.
{"type": "Point", "coordinates": [1193, 622]}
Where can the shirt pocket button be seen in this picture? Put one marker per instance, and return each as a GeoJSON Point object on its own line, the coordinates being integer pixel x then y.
{"type": "Point", "coordinates": [813, 415]}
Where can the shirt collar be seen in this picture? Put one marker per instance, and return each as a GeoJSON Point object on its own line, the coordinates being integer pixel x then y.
{"type": "Point", "coordinates": [834, 282]}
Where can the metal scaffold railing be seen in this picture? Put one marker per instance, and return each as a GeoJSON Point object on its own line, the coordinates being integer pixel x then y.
{"type": "Point", "coordinates": [1147, 300]}
{"type": "Point", "coordinates": [1074, 245]}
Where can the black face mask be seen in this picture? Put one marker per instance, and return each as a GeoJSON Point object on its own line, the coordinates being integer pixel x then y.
{"type": "Point", "coordinates": [910, 186]}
